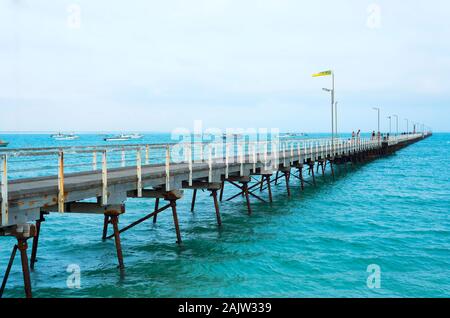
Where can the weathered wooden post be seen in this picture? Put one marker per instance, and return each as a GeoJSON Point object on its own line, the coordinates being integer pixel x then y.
{"type": "Point", "coordinates": [4, 192]}
{"type": "Point", "coordinates": [139, 172]}
{"type": "Point", "coordinates": [104, 179]}
{"type": "Point", "coordinates": [61, 197]}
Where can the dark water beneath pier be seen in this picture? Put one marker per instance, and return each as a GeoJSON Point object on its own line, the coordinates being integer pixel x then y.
{"type": "Point", "coordinates": [393, 212]}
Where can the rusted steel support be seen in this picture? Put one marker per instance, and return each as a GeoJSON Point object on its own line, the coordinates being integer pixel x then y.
{"type": "Point", "coordinates": [276, 178]}
{"type": "Point", "coordinates": [221, 191]}
{"type": "Point", "coordinates": [332, 169]}
{"type": "Point", "coordinates": [311, 170]}
{"type": "Point", "coordinates": [141, 220]}
{"type": "Point", "coordinates": [269, 189]}
{"type": "Point", "coordinates": [34, 247]}
{"type": "Point", "coordinates": [321, 163]}
{"type": "Point", "coordinates": [300, 175]}
{"type": "Point", "coordinates": [262, 183]}
{"type": "Point", "coordinates": [271, 181]}
{"type": "Point", "coordinates": [22, 233]}
{"type": "Point", "coordinates": [22, 245]}
{"type": "Point", "coordinates": [8, 270]}
{"type": "Point", "coordinates": [287, 177]}
{"type": "Point", "coordinates": [173, 204]}
{"type": "Point", "coordinates": [242, 192]}
{"type": "Point", "coordinates": [247, 198]}
{"type": "Point", "coordinates": [194, 196]}
{"type": "Point", "coordinates": [216, 206]}
{"type": "Point", "coordinates": [114, 221]}
{"type": "Point", "coordinates": [105, 226]}
{"type": "Point", "coordinates": [156, 209]}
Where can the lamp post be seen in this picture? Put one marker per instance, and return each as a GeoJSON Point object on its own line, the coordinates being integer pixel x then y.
{"type": "Point", "coordinates": [389, 117]}
{"type": "Point", "coordinates": [329, 73]}
{"type": "Point", "coordinates": [396, 118]}
{"type": "Point", "coordinates": [378, 111]}
{"type": "Point", "coordinates": [332, 110]}
{"type": "Point", "coordinates": [407, 126]}
{"type": "Point", "coordinates": [336, 118]}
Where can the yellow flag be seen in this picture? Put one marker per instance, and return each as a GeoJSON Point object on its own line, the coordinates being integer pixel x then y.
{"type": "Point", "coordinates": [326, 73]}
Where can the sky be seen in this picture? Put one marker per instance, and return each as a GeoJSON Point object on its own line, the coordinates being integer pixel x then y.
{"type": "Point", "coordinates": [147, 65]}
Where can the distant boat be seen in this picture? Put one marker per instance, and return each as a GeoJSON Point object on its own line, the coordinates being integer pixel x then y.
{"type": "Point", "coordinates": [120, 137]}
{"type": "Point", "coordinates": [133, 136]}
{"type": "Point", "coordinates": [61, 136]}
{"type": "Point", "coordinates": [3, 144]}
{"type": "Point", "coordinates": [290, 135]}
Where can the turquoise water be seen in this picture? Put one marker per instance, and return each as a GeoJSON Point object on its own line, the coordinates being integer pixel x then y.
{"type": "Point", "coordinates": [393, 212]}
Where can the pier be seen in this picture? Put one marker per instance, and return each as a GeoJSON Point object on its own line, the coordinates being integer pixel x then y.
{"type": "Point", "coordinates": [100, 180]}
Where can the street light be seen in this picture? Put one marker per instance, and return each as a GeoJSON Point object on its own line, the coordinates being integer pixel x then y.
{"type": "Point", "coordinates": [389, 117]}
{"type": "Point", "coordinates": [407, 126]}
{"type": "Point", "coordinates": [332, 109]}
{"type": "Point", "coordinates": [396, 117]}
{"type": "Point", "coordinates": [336, 118]}
{"type": "Point", "coordinates": [378, 110]}
{"type": "Point", "coordinates": [329, 73]}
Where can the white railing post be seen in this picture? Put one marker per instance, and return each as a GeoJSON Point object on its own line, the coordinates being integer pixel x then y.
{"type": "Point", "coordinates": [147, 154]}
{"type": "Point", "coordinates": [139, 172]}
{"type": "Point", "coordinates": [292, 153]}
{"type": "Point", "coordinates": [210, 163]}
{"type": "Point", "coordinates": [61, 197]}
{"type": "Point", "coordinates": [4, 191]}
{"type": "Point", "coordinates": [227, 160]}
{"type": "Point", "coordinates": [241, 158]}
{"type": "Point", "coordinates": [254, 157]}
{"type": "Point", "coordinates": [94, 160]}
{"type": "Point", "coordinates": [124, 163]}
{"type": "Point", "coordinates": [104, 179]}
{"type": "Point", "coordinates": [317, 150]}
{"type": "Point", "coordinates": [190, 164]}
{"type": "Point", "coordinates": [168, 167]}
{"type": "Point", "coordinates": [265, 154]}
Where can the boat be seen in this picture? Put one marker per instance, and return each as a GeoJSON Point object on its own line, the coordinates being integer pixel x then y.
{"type": "Point", "coordinates": [61, 136]}
{"type": "Point", "coordinates": [133, 136]}
{"type": "Point", "coordinates": [3, 144]}
{"type": "Point", "coordinates": [120, 137]}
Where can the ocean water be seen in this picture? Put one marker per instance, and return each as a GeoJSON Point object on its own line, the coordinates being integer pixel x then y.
{"type": "Point", "coordinates": [392, 212]}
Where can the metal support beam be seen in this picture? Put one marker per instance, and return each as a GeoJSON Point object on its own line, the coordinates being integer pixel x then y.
{"type": "Point", "coordinates": [247, 198]}
{"type": "Point", "coordinates": [115, 221]}
{"type": "Point", "coordinates": [156, 209]}
{"type": "Point", "coordinates": [173, 204]}
{"type": "Point", "coordinates": [22, 246]}
{"type": "Point", "coordinates": [34, 248]}
{"type": "Point", "coordinates": [8, 270]}
{"type": "Point", "coordinates": [216, 206]}
{"type": "Point", "coordinates": [194, 196]}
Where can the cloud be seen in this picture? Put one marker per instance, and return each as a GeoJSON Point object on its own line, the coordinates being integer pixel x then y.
{"type": "Point", "coordinates": [181, 60]}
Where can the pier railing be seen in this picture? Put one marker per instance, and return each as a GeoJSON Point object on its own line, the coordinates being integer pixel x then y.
{"type": "Point", "coordinates": [26, 163]}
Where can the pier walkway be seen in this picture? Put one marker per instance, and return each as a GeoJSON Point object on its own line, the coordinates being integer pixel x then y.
{"type": "Point", "coordinates": [95, 179]}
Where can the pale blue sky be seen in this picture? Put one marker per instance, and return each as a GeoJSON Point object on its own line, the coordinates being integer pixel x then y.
{"type": "Point", "coordinates": [157, 65]}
